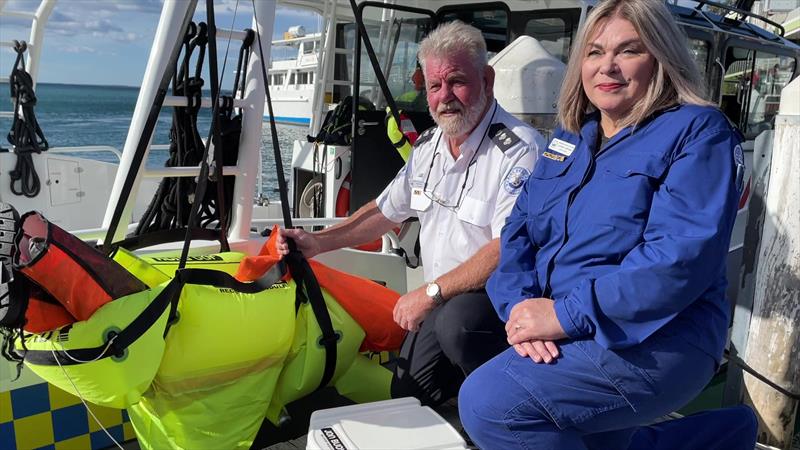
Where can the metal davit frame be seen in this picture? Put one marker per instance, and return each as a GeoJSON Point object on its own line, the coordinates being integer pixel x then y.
{"type": "Point", "coordinates": [175, 17]}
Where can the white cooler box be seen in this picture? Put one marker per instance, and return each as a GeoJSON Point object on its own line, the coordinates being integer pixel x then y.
{"type": "Point", "coordinates": [391, 424]}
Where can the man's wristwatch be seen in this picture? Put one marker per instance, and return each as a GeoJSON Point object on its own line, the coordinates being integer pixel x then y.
{"type": "Point", "coordinates": [435, 293]}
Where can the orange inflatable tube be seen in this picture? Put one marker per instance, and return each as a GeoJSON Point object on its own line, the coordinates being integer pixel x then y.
{"type": "Point", "coordinates": [367, 302]}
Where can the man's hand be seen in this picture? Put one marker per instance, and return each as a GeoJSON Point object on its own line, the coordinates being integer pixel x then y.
{"type": "Point", "coordinates": [533, 319]}
{"type": "Point", "coordinates": [412, 308]}
{"type": "Point", "coordinates": [307, 243]}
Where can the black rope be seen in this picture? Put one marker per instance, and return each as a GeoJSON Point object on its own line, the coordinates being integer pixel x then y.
{"type": "Point", "coordinates": [744, 366]}
{"type": "Point", "coordinates": [26, 135]}
{"type": "Point", "coordinates": [168, 208]}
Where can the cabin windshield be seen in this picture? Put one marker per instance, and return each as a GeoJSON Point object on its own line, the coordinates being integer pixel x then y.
{"type": "Point", "coordinates": [752, 86]}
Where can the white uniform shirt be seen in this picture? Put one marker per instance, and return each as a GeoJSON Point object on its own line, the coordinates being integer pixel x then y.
{"type": "Point", "coordinates": [474, 193]}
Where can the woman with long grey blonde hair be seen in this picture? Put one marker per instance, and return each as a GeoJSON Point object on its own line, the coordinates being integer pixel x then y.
{"type": "Point", "coordinates": [611, 278]}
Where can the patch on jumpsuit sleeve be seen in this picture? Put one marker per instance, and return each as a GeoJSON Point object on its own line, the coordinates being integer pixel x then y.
{"type": "Point", "coordinates": [738, 158]}
{"type": "Point", "coordinates": [515, 179]}
{"type": "Point", "coordinates": [502, 136]}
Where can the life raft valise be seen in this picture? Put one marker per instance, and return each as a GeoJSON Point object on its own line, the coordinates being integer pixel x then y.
{"type": "Point", "coordinates": [111, 357]}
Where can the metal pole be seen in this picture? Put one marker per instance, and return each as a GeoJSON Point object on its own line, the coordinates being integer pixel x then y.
{"type": "Point", "coordinates": [166, 46]}
{"type": "Point", "coordinates": [774, 344]}
{"type": "Point", "coordinates": [252, 120]}
{"type": "Point", "coordinates": [36, 40]}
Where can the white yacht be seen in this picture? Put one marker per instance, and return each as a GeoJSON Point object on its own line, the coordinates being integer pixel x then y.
{"type": "Point", "coordinates": [291, 79]}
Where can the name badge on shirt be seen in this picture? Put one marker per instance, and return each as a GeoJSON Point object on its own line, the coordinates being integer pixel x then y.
{"type": "Point", "coordinates": [563, 147]}
{"type": "Point", "coordinates": [419, 201]}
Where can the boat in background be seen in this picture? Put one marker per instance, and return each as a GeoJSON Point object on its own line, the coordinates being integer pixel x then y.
{"type": "Point", "coordinates": [291, 80]}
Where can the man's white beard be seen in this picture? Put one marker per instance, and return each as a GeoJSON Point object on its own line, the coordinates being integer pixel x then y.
{"type": "Point", "coordinates": [464, 121]}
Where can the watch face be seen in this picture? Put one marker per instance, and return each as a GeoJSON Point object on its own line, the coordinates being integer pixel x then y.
{"type": "Point", "coordinates": [432, 290]}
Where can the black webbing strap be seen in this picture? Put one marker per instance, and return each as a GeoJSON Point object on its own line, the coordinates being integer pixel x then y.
{"type": "Point", "coordinates": [298, 265]}
{"type": "Point", "coordinates": [117, 343]}
{"type": "Point", "coordinates": [214, 133]}
{"type": "Point", "coordinates": [304, 277]}
{"type": "Point", "coordinates": [213, 139]}
{"type": "Point", "coordinates": [144, 138]}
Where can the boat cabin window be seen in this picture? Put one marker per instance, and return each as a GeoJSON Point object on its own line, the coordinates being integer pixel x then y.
{"type": "Point", "coordinates": [751, 88]}
{"type": "Point", "coordinates": [395, 39]}
{"type": "Point", "coordinates": [554, 29]}
{"type": "Point", "coordinates": [276, 79]}
{"type": "Point", "coordinates": [344, 61]}
{"type": "Point", "coordinates": [699, 50]}
{"type": "Point", "coordinates": [491, 19]}
{"type": "Point", "coordinates": [304, 78]}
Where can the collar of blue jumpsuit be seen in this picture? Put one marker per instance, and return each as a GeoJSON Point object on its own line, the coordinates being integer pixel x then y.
{"type": "Point", "coordinates": [591, 128]}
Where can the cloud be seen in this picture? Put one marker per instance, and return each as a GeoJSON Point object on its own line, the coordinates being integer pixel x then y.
{"type": "Point", "coordinates": [99, 22]}
{"type": "Point", "coordinates": [80, 49]}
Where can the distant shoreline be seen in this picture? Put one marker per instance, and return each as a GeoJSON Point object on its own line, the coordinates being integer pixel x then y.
{"type": "Point", "coordinates": [120, 86]}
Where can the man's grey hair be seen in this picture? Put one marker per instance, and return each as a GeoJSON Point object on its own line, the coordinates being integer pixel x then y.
{"type": "Point", "coordinates": [454, 38]}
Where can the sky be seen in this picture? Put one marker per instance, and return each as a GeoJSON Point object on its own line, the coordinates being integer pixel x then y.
{"type": "Point", "coordinates": [107, 42]}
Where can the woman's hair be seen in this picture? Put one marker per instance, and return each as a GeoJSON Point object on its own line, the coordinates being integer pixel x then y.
{"type": "Point", "coordinates": [676, 79]}
{"type": "Point", "coordinates": [454, 38]}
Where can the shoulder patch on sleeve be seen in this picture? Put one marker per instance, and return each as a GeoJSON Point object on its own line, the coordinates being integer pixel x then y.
{"type": "Point", "coordinates": [515, 179]}
{"type": "Point", "coordinates": [502, 136]}
{"type": "Point", "coordinates": [425, 136]}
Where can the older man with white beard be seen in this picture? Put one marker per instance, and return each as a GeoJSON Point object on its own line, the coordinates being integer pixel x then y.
{"type": "Point", "coordinates": [461, 181]}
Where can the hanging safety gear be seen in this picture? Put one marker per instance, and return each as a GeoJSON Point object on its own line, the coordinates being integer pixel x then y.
{"type": "Point", "coordinates": [169, 208]}
{"type": "Point", "coordinates": [402, 136]}
{"type": "Point", "coordinates": [26, 136]}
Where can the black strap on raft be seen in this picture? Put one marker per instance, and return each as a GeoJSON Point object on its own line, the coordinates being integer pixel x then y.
{"type": "Point", "coordinates": [144, 139]}
{"type": "Point", "coordinates": [26, 135]}
{"type": "Point", "coordinates": [307, 283]}
{"type": "Point", "coordinates": [214, 133]}
{"type": "Point", "coordinates": [116, 343]}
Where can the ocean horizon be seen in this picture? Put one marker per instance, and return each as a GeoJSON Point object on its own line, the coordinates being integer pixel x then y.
{"type": "Point", "coordinates": [74, 115]}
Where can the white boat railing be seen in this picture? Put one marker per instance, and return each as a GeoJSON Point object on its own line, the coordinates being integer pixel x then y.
{"type": "Point", "coordinates": [88, 149]}
{"type": "Point", "coordinates": [35, 39]}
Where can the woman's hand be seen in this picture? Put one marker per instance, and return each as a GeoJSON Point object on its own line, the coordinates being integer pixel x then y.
{"type": "Point", "coordinates": [533, 319]}
{"type": "Point", "coordinates": [538, 351]}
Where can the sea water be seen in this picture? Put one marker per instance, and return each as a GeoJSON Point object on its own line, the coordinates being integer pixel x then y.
{"type": "Point", "coordinates": [78, 115]}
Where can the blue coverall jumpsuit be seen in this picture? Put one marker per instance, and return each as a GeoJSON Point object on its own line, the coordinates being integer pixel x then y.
{"type": "Point", "coordinates": [630, 241]}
